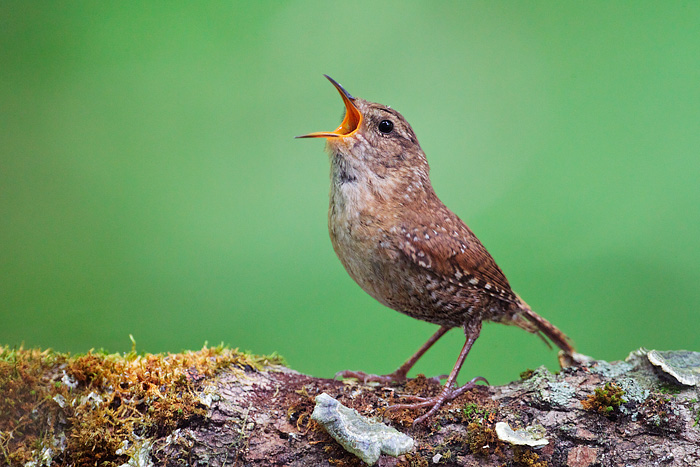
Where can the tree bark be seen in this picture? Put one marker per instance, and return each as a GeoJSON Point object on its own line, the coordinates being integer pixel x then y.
{"type": "Point", "coordinates": [263, 418]}
{"type": "Point", "coordinates": [219, 407]}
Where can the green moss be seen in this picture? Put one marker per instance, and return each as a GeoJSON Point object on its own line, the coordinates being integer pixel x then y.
{"type": "Point", "coordinates": [695, 410]}
{"type": "Point", "coordinates": [606, 400]}
{"type": "Point", "coordinates": [473, 412]}
{"type": "Point", "coordinates": [668, 388]}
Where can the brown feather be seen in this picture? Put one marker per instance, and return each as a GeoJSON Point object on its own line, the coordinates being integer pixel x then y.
{"type": "Point", "coordinates": [404, 247]}
{"type": "Point", "coordinates": [451, 250]}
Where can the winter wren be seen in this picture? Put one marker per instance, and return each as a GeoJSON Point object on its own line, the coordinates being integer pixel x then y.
{"type": "Point", "coordinates": [405, 248]}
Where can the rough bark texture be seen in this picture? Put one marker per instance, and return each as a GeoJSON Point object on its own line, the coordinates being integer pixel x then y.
{"type": "Point", "coordinates": [263, 418]}
{"type": "Point", "coordinates": [219, 407]}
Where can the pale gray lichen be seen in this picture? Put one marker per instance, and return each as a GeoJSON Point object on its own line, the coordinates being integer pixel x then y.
{"type": "Point", "coordinates": [682, 365]}
{"type": "Point", "coordinates": [530, 436]}
{"type": "Point", "coordinates": [42, 458]}
{"type": "Point", "coordinates": [611, 370]}
{"type": "Point", "coordinates": [538, 379]}
{"type": "Point", "coordinates": [547, 390]}
{"type": "Point", "coordinates": [635, 355]}
{"type": "Point", "coordinates": [643, 372]}
{"type": "Point", "coordinates": [60, 400]}
{"type": "Point", "coordinates": [541, 373]}
{"type": "Point", "coordinates": [634, 392]}
{"type": "Point", "coordinates": [365, 438]}
{"type": "Point", "coordinates": [560, 393]}
{"type": "Point", "coordinates": [209, 395]}
{"type": "Point", "coordinates": [140, 453]}
{"type": "Point", "coordinates": [68, 380]}
{"type": "Point", "coordinates": [92, 400]}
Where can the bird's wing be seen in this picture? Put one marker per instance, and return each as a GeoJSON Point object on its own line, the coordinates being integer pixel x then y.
{"type": "Point", "coordinates": [451, 250]}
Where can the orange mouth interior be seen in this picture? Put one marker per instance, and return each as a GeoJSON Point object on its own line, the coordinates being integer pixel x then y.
{"type": "Point", "coordinates": [351, 122]}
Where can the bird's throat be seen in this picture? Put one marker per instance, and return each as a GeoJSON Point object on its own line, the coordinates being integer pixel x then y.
{"type": "Point", "coordinates": [343, 172]}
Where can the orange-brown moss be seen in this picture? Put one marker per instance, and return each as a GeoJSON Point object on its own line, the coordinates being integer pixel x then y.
{"type": "Point", "coordinates": [413, 460]}
{"type": "Point", "coordinates": [482, 439]}
{"type": "Point", "coordinates": [527, 458]}
{"type": "Point", "coordinates": [26, 387]}
{"type": "Point", "coordinates": [299, 413]}
{"type": "Point", "coordinates": [422, 385]}
{"type": "Point", "coordinates": [101, 403]}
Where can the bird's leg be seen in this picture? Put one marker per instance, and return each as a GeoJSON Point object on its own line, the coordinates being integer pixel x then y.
{"type": "Point", "coordinates": [471, 329]}
{"type": "Point", "coordinates": [400, 374]}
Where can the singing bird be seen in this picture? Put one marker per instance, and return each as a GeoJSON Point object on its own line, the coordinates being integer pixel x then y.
{"type": "Point", "coordinates": [405, 248]}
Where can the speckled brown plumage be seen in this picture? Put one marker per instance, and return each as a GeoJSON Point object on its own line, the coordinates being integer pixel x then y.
{"type": "Point", "coordinates": [400, 243]}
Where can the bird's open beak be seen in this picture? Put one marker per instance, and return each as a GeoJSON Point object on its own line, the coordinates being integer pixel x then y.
{"type": "Point", "coordinates": [352, 119]}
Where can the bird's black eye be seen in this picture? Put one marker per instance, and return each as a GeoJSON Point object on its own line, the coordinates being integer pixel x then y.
{"type": "Point", "coordinates": [385, 126]}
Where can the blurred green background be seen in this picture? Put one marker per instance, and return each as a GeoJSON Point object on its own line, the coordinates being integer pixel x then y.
{"type": "Point", "coordinates": [150, 183]}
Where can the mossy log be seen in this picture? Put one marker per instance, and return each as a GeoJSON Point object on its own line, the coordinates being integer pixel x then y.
{"type": "Point", "coordinates": [220, 407]}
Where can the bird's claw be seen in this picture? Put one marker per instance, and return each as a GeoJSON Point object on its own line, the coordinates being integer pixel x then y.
{"type": "Point", "coordinates": [395, 377]}
{"type": "Point", "coordinates": [368, 377]}
{"type": "Point", "coordinates": [437, 379]}
{"type": "Point", "coordinates": [446, 395]}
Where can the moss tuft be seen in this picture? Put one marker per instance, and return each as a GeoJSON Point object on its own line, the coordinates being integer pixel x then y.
{"type": "Point", "coordinates": [413, 460]}
{"type": "Point", "coordinates": [605, 401]}
{"type": "Point", "coordinates": [482, 439]}
{"type": "Point", "coordinates": [527, 458]}
{"type": "Point", "coordinates": [472, 412]}
{"type": "Point", "coordinates": [102, 404]}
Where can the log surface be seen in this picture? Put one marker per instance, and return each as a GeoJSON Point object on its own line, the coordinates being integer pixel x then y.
{"type": "Point", "coordinates": [220, 407]}
{"type": "Point", "coordinates": [262, 418]}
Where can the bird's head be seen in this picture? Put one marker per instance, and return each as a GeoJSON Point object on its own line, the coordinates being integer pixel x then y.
{"type": "Point", "coordinates": [374, 137]}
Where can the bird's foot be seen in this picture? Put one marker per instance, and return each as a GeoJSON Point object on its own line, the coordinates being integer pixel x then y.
{"type": "Point", "coordinates": [446, 395]}
{"type": "Point", "coordinates": [396, 376]}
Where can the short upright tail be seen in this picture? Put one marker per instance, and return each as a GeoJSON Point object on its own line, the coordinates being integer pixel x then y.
{"type": "Point", "coordinates": [538, 325]}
